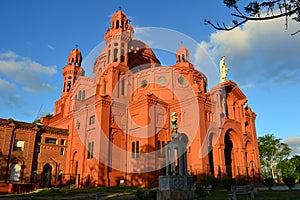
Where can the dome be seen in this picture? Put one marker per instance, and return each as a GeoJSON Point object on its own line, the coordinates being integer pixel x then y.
{"type": "Point", "coordinates": [140, 54]}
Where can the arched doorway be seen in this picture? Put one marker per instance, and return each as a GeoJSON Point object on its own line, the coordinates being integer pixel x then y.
{"type": "Point", "coordinates": [74, 173]}
{"type": "Point", "coordinates": [228, 154]}
{"type": "Point", "coordinates": [46, 176]}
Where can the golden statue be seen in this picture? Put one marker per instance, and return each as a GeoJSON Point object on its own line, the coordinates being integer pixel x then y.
{"type": "Point", "coordinates": [174, 118]}
{"type": "Point", "coordinates": [223, 70]}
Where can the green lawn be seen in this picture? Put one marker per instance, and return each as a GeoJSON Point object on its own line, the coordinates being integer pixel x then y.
{"type": "Point", "coordinates": [260, 195]}
{"type": "Point", "coordinates": [90, 193]}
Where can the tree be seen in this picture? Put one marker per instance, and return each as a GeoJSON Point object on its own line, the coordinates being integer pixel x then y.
{"type": "Point", "coordinates": [260, 11]}
{"type": "Point", "coordinates": [290, 170]}
{"type": "Point", "coordinates": [272, 151]}
{"type": "Point", "coordinates": [290, 167]}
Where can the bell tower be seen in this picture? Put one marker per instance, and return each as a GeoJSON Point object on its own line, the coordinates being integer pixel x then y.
{"type": "Point", "coordinates": [182, 54]}
{"type": "Point", "coordinates": [72, 70]}
{"type": "Point", "coordinates": [117, 38]}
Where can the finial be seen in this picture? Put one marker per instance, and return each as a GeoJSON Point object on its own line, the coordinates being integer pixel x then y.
{"type": "Point", "coordinates": [76, 46]}
{"type": "Point", "coordinates": [181, 42]}
{"type": "Point", "coordinates": [119, 7]}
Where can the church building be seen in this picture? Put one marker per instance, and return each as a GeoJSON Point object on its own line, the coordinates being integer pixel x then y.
{"type": "Point", "coordinates": [118, 121]}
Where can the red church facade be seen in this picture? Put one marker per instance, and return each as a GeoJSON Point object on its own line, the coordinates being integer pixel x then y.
{"type": "Point", "coordinates": [118, 121]}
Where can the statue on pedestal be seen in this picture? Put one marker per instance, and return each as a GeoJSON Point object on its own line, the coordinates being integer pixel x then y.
{"type": "Point", "coordinates": [174, 119]}
{"type": "Point", "coordinates": [223, 70]}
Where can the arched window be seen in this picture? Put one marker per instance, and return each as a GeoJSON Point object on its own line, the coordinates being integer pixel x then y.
{"type": "Point", "coordinates": [83, 94]}
{"type": "Point", "coordinates": [15, 172]}
{"type": "Point", "coordinates": [69, 86]}
{"type": "Point", "coordinates": [183, 58]}
{"type": "Point", "coordinates": [210, 155]}
{"type": "Point", "coordinates": [104, 88]}
{"type": "Point", "coordinates": [115, 54]}
{"type": "Point", "coordinates": [163, 144]}
{"type": "Point", "coordinates": [108, 57]}
{"type": "Point", "coordinates": [117, 24]}
{"type": "Point", "coordinates": [158, 148]}
{"type": "Point", "coordinates": [123, 87]}
{"type": "Point", "coordinates": [122, 55]}
{"type": "Point", "coordinates": [79, 95]}
{"type": "Point", "coordinates": [135, 149]}
{"type": "Point", "coordinates": [122, 24]}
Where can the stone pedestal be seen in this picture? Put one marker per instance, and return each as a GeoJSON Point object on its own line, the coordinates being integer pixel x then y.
{"type": "Point", "coordinates": [177, 184]}
{"type": "Point", "coordinates": [178, 187]}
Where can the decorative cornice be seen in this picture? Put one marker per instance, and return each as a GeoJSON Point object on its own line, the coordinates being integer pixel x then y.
{"type": "Point", "coordinates": [35, 127]}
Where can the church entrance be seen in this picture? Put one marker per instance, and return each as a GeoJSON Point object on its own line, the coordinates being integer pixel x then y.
{"type": "Point", "coordinates": [228, 154]}
{"type": "Point", "coordinates": [46, 176]}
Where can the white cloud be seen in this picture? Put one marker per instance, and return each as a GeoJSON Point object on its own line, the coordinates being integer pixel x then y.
{"type": "Point", "coordinates": [50, 47]}
{"type": "Point", "coordinates": [294, 144]}
{"type": "Point", "coordinates": [5, 85]}
{"type": "Point", "coordinates": [256, 52]}
{"type": "Point", "coordinates": [25, 71]}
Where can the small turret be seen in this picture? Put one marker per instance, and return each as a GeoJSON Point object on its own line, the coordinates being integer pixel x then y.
{"type": "Point", "coordinates": [182, 54]}
{"type": "Point", "coordinates": [72, 69]}
{"type": "Point", "coordinates": [75, 57]}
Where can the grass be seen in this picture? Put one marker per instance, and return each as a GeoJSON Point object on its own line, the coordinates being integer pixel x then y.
{"type": "Point", "coordinates": [260, 195]}
{"type": "Point", "coordinates": [82, 193]}
{"type": "Point", "coordinates": [89, 193]}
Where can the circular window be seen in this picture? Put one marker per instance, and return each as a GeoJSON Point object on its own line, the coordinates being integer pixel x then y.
{"type": "Point", "coordinates": [181, 80]}
{"type": "Point", "coordinates": [162, 80]}
{"type": "Point", "coordinates": [144, 83]}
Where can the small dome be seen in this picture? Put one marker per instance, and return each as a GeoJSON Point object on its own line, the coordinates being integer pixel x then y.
{"type": "Point", "coordinates": [182, 54]}
{"type": "Point", "coordinates": [75, 57]}
{"type": "Point", "coordinates": [119, 20]}
{"type": "Point", "coordinates": [118, 15]}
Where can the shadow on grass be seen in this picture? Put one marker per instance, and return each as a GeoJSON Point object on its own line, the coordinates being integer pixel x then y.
{"type": "Point", "coordinates": [90, 193]}
{"type": "Point", "coordinates": [83, 193]}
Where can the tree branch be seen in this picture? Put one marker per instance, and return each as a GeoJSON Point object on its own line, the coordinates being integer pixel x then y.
{"type": "Point", "coordinates": [268, 17]}
{"type": "Point", "coordinates": [295, 33]}
{"type": "Point", "coordinates": [218, 27]}
{"type": "Point", "coordinates": [245, 18]}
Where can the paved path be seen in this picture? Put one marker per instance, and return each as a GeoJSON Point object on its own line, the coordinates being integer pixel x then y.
{"type": "Point", "coordinates": [281, 187]}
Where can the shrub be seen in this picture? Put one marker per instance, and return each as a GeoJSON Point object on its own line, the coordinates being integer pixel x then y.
{"type": "Point", "coordinates": [289, 181]}
{"type": "Point", "coordinates": [201, 191]}
{"type": "Point", "coordinates": [242, 181]}
{"type": "Point", "coordinates": [210, 181]}
{"type": "Point", "coordinates": [228, 182]}
{"type": "Point", "coordinates": [269, 182]}
{"type": "Point", "coordinates": [146, 195]}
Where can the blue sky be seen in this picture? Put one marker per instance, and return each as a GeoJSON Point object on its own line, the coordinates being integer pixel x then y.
{"type": "Point", "coordinates": [37, 36]}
